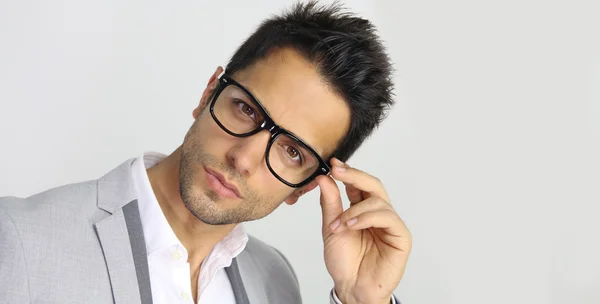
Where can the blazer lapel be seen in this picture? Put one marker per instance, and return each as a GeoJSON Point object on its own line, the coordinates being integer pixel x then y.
{"type": "Point", "coordinates": [233, 272]}
{"type": "Point", "coordinates": [124, 248]}
{"type": "Point", "coordinates": [122, 239]}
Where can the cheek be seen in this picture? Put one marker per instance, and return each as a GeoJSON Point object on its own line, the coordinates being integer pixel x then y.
{"type": "Point", "coordinates": [270, 188]}
{"type": "Point", "coordinates": [212, 138]}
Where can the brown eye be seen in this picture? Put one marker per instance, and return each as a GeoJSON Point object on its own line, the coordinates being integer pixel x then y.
{"type": "Point", "coordinates": [292, 152]}
{"type": "Point", "coordinates": [247, 109]}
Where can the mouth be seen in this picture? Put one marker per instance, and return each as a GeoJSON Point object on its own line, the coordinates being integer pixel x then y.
{"type": "Point", "coordinates": [219, 184]}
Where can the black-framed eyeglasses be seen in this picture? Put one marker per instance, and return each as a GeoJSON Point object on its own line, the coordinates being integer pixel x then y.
{"type": "Point", "coordinates": [239, 114]}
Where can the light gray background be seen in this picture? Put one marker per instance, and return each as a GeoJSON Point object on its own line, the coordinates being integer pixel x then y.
{"type": "Point", "coordinates": [491, 155]}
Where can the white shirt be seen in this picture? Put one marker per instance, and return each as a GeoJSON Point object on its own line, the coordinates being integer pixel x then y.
{"type": "Point", "coordinates": [167, 258]}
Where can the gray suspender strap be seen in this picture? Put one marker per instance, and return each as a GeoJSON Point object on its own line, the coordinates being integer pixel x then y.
{"type": "Point", "coordinates": [233, 272]}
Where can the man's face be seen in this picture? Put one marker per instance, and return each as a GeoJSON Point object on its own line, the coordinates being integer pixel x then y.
{"type": "Point", "coordinates": [297, 99]}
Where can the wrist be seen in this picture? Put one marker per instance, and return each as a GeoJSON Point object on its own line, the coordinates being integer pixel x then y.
{"type": "Point", "coordinates": [343, 295]}
{"type": "Point", "coordinates": [348, 298]}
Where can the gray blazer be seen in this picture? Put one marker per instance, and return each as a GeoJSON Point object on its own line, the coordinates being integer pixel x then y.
{"type": "Point", "coordinates": [83, 243]}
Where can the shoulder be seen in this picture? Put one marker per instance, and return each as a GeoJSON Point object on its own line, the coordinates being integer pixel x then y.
{"type": "Point", "coordinates": [263, 253]}
{"type": "Point", "coordinates": [60, 209]}
{"type": "Point", "coordinates": [51, 235]}
{"type": "Point", "coordinates": [69, 196]}
{"type": "Point", "coordinates": [269, 270]}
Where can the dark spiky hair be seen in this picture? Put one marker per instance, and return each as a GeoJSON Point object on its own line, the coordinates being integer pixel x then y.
{"type": "Point", "coordinates": [347, 53]}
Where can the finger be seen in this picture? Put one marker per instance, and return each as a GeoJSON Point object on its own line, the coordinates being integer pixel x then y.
{"type": "Point", "coordinates": [218, 71]}
{"type": "Point", "coordinates": [331, 202]}
{"type": "Point", "coordinates": [355, 195]}
{"type": "Point", "coordinates": [359, 180]}
{"type": "Point", "coordinates": [384, 219]}
{"type": "Point", "coordinates": [372, 203]}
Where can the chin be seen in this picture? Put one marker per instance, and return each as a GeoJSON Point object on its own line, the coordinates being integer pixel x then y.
{"type": "Point", "coordinates": [211, 211]}
{"type": "Point", "coordinates": [208, 212]}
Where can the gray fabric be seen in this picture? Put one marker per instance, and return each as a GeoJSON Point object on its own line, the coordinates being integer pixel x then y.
{"type": "Point", "coordinates": [267, 276]}
{"type": "Point", "coordinates": [138, 248]}
{"type": "Point", "coordinates": [49, 243]}
{"type": "Point", "coordinates": [81, 243]}
{"type": "Point", "coordinates": [233, 272]}
{"type": "Point", "coordinates": [114, 239]}
{"type": "Point", "coordinates": [14, 286]}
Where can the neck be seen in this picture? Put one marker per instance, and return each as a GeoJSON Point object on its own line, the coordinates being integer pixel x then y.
{"type": "Point", "coordinates": [196, 236]}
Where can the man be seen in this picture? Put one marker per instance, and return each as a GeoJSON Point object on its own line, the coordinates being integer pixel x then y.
{"type": "Point", "coordinates": [295, 101]}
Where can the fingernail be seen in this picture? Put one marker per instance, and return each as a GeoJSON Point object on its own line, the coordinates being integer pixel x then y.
{"type": "Point", "coordinates": [351, 221]}
{"type": "Point", "coordinates": [335, 224]}
{"type": "Point", "coordinates": [339, 169]}
{"type": "Point", "coordinates": [338, 162]}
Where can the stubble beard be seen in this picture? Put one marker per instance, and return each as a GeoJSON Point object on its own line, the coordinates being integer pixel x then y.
{"type": "Point", "coordinates": [205, 206]}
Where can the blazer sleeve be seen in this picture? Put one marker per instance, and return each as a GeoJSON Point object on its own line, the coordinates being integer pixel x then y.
{"type": "Point", "coordinates": [14, 285]}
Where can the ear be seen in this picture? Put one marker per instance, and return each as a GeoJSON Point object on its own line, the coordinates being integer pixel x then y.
{"type": "Point", "coordinates": [293, 198]}
{"type": "Point", "coordinates": [210, 88]}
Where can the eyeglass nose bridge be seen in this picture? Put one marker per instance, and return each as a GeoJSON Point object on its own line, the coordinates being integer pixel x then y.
{"type": "Point", "coordinates": [271, 127]}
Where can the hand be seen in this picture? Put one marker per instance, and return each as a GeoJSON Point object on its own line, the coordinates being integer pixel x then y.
{"type": "Point", "coordinates": [366, 246]}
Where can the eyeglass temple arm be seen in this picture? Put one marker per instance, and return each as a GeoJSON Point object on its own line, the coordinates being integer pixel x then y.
{"type": "Point", "coordinates": [221, 74]}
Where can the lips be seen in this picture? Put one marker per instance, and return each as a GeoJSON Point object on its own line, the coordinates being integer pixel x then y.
{"type": "Point", "coordinates": [220, 185]}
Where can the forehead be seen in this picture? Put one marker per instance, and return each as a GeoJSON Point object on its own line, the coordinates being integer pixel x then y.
{"type": "Point", "coordinates": [298, 99]}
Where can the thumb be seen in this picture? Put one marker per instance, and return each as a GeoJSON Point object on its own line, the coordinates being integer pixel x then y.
{"type": "Point", "coordinates": [331, 202]}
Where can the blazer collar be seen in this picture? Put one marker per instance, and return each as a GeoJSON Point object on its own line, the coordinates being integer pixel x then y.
{"type": "Point", "coordinates": [121, 237]}
{"type": "Point", "coordinates": [116, 188]}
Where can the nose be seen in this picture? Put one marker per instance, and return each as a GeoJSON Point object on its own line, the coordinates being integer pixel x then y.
{"type": "Point", "coordinates": [248, 153]}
